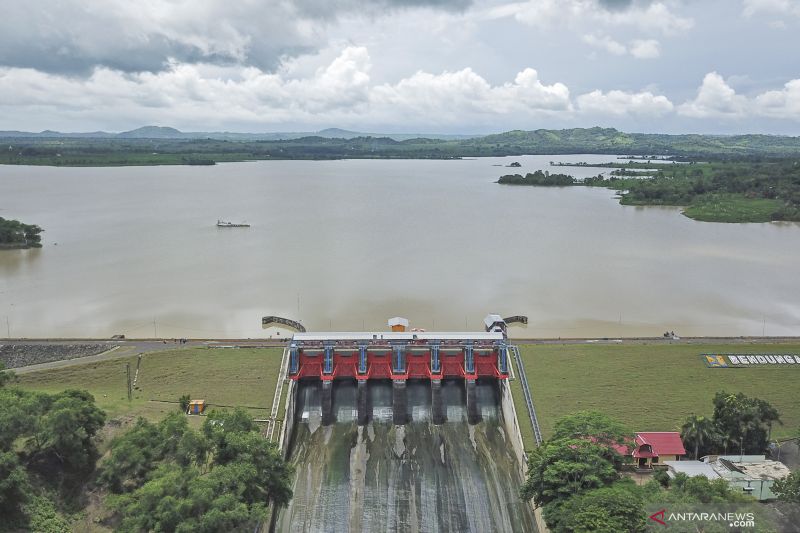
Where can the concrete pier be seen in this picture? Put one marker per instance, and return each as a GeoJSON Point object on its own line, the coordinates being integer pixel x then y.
{"type": "Point", "coordinates": [473, 411]}
{"type": "Point", "coordinates": [327, 403]}
{"type": "Point", "coordinates": [437, 406]}
{"type": "Point", "coordinates": [362, 403]}
{"type": "Point", "coordinates": [399, 402]}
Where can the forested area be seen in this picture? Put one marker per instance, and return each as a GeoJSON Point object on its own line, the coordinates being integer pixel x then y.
{"type": "Point", "coordinates": [162, 476]}
{"type": "Point", "coordinates": [744, 190]}
{"type": "Point", "coordinates": [15, 234]}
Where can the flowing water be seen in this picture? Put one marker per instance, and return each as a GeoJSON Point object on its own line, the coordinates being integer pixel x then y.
{"type": "Point", "coordinates": [343, 245]}
{"type": "Point", "coordinates": [418, 477]}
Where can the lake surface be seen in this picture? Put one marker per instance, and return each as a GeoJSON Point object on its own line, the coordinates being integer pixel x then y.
{"type": "Point", "coordinates": [344, 245]}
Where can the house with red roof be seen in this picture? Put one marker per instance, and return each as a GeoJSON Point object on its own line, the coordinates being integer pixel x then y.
{"type": "Point", "coordinates": [654, 447]}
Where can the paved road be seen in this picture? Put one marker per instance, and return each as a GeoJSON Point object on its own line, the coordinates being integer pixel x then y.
{"type": "Point", "coordinates": [126, 348]}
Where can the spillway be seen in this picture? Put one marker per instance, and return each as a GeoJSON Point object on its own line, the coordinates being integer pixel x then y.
{"type": "Point", "coordinates": [419, 476]}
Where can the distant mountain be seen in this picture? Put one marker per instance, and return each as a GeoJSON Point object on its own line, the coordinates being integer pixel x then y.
{"type": "Point", "coordinates": [164, 132]}
{"type": "Point", "coordinates": [153, 132]}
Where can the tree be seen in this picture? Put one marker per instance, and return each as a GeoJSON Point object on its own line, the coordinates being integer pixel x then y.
{"type": "Point", "coordinates": [562, 468]}
{"type": "Point", "coordinates": [66, 431]}
{"type": "Point", "coordinates": [183, 402]}
{"type": "Point", "coordinates": [788, 488]}
{"type": "Point", "coordinates": [219, 479]}
{"type": "Point", "coordinates": [699, 433]}
{"type": "Point", "coordinates": [15, 488]}
{"type": "Point", "coordinates": [593, 425]}
{"type": "Point", "coordinates": [619, 507]}
{"type": "Point", "coordinates": [747, 421]}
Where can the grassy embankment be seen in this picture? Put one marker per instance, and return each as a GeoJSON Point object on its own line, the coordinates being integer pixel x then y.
{"type": "Point", "coordinates": [236, 377]}
{"type": "Point", "coordinates": [648, 387]}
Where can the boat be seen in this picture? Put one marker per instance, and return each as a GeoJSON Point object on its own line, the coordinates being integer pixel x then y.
{"type": "Point", "coordinates": [227, 224]}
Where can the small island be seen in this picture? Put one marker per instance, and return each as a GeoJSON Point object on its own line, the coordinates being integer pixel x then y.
{"type": "Point", "coordinates": [538, 178]}
{"type": "Point", "coordinates": [14, 235]}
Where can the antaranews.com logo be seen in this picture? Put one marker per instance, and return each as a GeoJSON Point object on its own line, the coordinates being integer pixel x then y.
{"type": "Point", "coordinates": [732, 519]}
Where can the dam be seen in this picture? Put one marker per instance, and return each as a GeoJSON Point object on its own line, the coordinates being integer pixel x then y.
{"type": "Point", "coordinates": [402, 431]}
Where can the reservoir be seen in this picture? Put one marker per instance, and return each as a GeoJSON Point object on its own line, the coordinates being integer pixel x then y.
{"type": "Point", "coordinates": [343, 245]}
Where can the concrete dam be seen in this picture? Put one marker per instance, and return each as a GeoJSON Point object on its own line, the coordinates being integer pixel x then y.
{"type": "Point", "coordinates": [402, 431]}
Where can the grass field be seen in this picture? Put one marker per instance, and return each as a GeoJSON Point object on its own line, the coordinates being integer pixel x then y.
{"type": "Point", "coordinates": [733, 208]}
{"type": "Point", "coordinates": [243, 377]}
{"type": "Point", "coordinates": [649, 387]}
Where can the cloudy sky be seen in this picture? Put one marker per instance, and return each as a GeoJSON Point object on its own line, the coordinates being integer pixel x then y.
{"type": "Point", "coordinates": [461, 66]}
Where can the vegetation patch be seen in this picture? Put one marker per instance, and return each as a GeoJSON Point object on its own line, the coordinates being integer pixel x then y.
{"type": "Point", "coordinates": [15, 234]}
{"type": "Point", "coordinates": [649, 387]}
{"type": "Point", "coordinates": [733, 208]}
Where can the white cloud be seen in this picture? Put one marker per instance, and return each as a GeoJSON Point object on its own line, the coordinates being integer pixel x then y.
{"type": "Point", "coordinates": [645, 49]}
{"type": "Point", "coordinates": [715, 98]}
{"type": "Point", "coordinates": [606, 43]}
{"type": "Point", "coordinates": [780, 104]}
{"type": "Point", "coordinates": [205, 96]}
{"type": "Point", "coordinates": [453, 96]}
{"type": "Point", "coordinates": [640, 49]}
{"type": "Point", "coordinates": [624, 103]}
{"type": "Point", "coordinates": [548, 13]}
{"type": "Point", "coordinates": [772, 7]}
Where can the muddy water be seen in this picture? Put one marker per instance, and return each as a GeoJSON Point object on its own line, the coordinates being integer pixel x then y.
{"type": "Point", "coordinates": [418, 477]}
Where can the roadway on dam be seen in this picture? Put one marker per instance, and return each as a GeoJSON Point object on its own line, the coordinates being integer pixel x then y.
{"type": "Point", "coordinates": [452, 477]}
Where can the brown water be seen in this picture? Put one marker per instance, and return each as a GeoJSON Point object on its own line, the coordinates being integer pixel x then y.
{"type": "Point", "coordinates": [418, 477]}
{"type": "Point", "coordinates": [346, 244]}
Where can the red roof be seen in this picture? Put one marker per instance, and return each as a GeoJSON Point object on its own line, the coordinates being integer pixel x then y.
{"type": "Point", "coordinates": [660, 442]}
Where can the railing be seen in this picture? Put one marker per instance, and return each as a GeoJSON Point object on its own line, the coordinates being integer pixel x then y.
{"type": "Point", "coordinates": [276, 400]}
{"type": "Point", "coordinates": [526, 392]}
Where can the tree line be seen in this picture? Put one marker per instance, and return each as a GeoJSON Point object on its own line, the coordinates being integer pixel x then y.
{"type": "Point", "coordinates": [162, 476]}
{"type": "Point", "coordinates": [576, 475]}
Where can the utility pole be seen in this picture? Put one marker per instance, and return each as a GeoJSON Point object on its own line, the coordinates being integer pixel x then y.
{"type": "Point", "coordinates": [8, 328]}
{"type": "Point", "coordinates": [128, 371]}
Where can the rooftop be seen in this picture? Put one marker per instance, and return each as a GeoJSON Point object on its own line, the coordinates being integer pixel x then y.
{"type": "Point", "coordinates": [661, 442]}
{"type": "Point", "coordinates": [729, 466]}
{"type": "Point", "coordinates": [691, 469]}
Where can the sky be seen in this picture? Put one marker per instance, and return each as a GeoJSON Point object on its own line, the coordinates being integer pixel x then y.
{"type": "Point", "coordinates": [422, 66]}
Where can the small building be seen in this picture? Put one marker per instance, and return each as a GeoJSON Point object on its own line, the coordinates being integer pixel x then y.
{"type": "Point", "coordinates": [691, 469]}
{"type": "Point", "coordinates": [494, 323]}
{"type": "Point", "coordinates": [655, 447]}
{"type": "Point", "coordinates": [398, 323]}
{"type": "Point", "coordinates": [753, 474]}
{"type": "Point", "coordinates": [196, 407]}
{"type": "Point", "coordinates": [652, 448]}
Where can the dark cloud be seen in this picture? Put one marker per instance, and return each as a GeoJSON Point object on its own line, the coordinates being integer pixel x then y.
{"type": "Point", "coordinates": [75, 36]}
{"type": "Point", "coordinates": [615, 5]}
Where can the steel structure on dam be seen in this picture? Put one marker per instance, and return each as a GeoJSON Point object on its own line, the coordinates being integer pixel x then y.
{"type": "Point", "coordinates": [399, 356]}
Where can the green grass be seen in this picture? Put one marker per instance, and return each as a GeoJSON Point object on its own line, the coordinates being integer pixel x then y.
{"type": "Point", "coordinates": [732, 208]}
{"type": "Point", "coordinates": [243, 377]}
{"type": "Point", "coordinates": [649, 387]}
